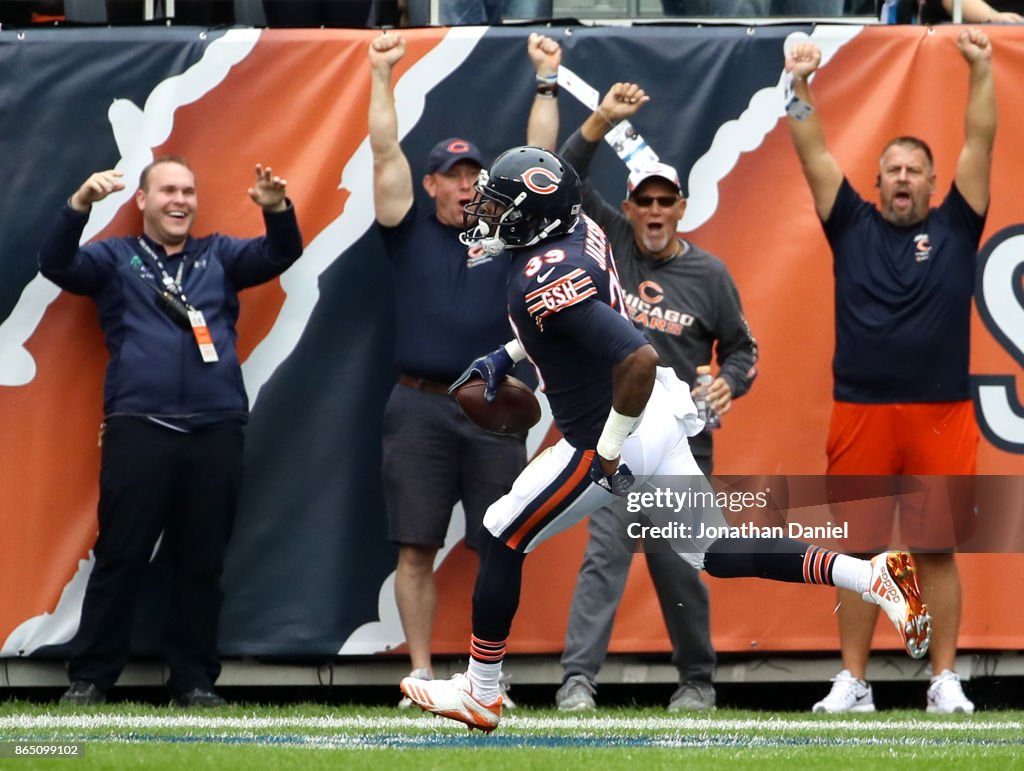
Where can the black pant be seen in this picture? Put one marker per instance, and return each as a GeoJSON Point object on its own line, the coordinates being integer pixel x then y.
{"type": "Point", "coordinates": [154, 480]}
{"type": "Point", "coordinates": [198, 12]}
{"type": "Point", "coordinates": [316, 13]}
{"type": "Point", "coordinates": [18, 13]}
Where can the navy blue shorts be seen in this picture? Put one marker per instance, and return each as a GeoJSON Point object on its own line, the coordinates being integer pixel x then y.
{"type": "Point", "coordinates": [433, 458]}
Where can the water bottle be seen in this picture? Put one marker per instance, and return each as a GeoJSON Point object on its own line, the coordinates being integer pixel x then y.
{"type": "Point", "coordinates": [705, 411]}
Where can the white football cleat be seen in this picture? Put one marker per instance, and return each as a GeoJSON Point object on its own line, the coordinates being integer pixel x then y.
{"type": "Point", "coordinates": [894, 589]}
{"type": "Point", "coordinates": [453, 699]}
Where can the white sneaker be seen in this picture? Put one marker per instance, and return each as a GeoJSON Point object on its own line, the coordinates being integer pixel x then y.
{"type": "Point", "coordinates": [893, 588]}
{"type": "Point", "coordinates": [848, 694]}
{"type": "Point", "coordinates": [946, 695]}
{"type": "Point", "coordinates": [419, 674]}
{"type": "Point", "coordinates": [453, 699]}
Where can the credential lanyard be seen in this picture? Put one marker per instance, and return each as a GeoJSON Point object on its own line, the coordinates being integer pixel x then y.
{"type": "Point", "coordinates": [170, 284]}
{"type": "Point", "coordinates": [200, 330]}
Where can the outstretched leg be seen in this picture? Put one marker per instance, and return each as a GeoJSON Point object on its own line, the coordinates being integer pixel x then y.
{"type": "Point", "coordinates": [887, 580]}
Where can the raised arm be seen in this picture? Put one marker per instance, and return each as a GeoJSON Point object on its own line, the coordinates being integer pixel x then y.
{"type": "Point", "coordinates": [542, 127]}
{"type": "Point", "coordinates": [392, 177]}
{"type": "Point", "coordinates": [97, 187]}
{"type": "Point", "coordinates": [253, 261]}
{"type": "Point", "coordinates": [269, 190]}
{"type": "Point", "coordinates": [974, 167]}
{"type": "Point", "coordinates": [60, 258]}
{"type": "Point", "coordinates": [622, 101]}
{"type": "Point", "coordinates": [821, 170]}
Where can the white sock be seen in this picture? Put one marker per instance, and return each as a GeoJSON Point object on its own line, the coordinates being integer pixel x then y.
{"type": "Point", "coordinates": [484, 679]}
{"type": "Point", "coordinates": [851, 573]}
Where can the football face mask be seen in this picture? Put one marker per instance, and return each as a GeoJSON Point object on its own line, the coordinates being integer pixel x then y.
{"type": "Point", "coordinates": [490, 220]}
{"type": "Point", "coordinates": [528, 195]}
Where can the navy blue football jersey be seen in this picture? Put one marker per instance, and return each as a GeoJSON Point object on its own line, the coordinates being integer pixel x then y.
{"type": "Point", "coordinates": [567, 311]}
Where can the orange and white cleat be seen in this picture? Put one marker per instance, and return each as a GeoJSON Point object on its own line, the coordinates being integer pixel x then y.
{"type": "Point", "coordinates": [453, 699]}
{"type": "Point", "coordinates": [894, 589]}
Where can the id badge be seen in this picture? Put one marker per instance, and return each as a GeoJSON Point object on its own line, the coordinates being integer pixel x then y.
{"type": "Point", "coordinates": [202, 335]}
{"type": "Point", "coordinates": [795, 106]}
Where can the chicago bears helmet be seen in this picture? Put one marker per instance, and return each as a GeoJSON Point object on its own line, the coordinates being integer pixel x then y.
{"type": "Point", "coordinates": [526, 196]}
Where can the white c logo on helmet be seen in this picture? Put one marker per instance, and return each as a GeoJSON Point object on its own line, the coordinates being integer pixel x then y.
{"type": "Point", "coordinates": [544, 188]}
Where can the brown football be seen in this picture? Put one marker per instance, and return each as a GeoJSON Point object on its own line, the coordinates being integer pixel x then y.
{"type": "Point", "coordinates": [514, 410]}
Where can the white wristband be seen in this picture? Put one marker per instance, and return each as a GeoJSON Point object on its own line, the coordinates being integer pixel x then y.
{"type": "Point", "coordinates": [614, 434]}
{"type": "Point", "coordinates": [515, 349]}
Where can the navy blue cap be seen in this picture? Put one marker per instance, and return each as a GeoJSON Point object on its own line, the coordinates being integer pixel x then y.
{"type": "Point", "coordinates": [448, 152]}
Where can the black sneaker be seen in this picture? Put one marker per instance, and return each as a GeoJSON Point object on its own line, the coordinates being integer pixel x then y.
{"type": "Point", "coordinates": [199, 697]}
{"type": "Point", "coordinates": [83, 693]}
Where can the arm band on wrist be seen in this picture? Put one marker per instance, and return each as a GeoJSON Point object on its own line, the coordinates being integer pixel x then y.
{"type": "Point", "coordinates": [611, 123]}
{"type": "Point", "coordinates": [614, 434]}
{"type": "Point", "coordinates": [514, 349]}
{"type": "Point", "coordinates": [549, 90]}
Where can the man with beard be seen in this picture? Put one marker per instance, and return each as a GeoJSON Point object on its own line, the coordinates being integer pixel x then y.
{"type": "Point", "coordinates": [904, 282]}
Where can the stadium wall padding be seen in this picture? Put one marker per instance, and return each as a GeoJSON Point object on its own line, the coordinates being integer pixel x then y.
{"type": "Point", "coordinates": [309, 570]}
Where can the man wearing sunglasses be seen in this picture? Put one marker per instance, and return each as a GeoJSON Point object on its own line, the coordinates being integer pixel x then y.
{"type": "Point", "coordinates": [689, 306]}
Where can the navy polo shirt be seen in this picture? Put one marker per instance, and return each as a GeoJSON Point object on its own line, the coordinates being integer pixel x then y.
{"type": "Point", "coordinates": [450, 308]}
{"type": "Point", "coordinates": [903, 301]}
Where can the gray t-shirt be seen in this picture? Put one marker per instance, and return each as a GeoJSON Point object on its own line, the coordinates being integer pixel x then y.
{"type": "Point", "coordinates": [688, 305]}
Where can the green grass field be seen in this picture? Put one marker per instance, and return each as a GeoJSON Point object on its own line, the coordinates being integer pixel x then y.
{"type": "Point", "coordinates": [312, 736]}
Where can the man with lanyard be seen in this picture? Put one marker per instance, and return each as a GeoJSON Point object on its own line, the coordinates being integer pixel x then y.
{"type": "Point", "coordinates": [174, 411]}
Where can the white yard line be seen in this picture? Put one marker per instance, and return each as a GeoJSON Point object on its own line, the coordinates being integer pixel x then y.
{"type": "Point", "coordinates": [515, 723]}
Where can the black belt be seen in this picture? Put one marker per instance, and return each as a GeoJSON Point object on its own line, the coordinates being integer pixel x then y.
{"type": "Point", "coordinates": [422, 384]}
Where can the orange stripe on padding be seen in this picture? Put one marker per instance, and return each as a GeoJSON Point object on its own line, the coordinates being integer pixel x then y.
{"type": "Point", "coordinates": [560, 495]}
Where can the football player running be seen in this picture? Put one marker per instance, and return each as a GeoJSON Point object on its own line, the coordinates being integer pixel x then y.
{"type": "Point", "coordinates": [624, 422]}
